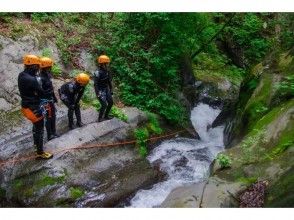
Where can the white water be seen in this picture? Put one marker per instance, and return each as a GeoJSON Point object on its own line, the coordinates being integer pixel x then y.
{"type": "Point", "coordinates": [185, 160]}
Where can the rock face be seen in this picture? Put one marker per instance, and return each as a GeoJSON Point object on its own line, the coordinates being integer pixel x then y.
{"type": "Point", "coordinates": [91, 177]}
{"type": "Point", "coordinates": [213, 193]}
{"type": "Point", "coordinates": [11, 54]}
{"type": "Point", "coordinates": [264, 152]}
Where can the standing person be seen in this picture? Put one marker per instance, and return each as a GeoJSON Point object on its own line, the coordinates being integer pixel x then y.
{"type": "Point", "coordinates": [71, 94]}
{"type": "Point", "coordinates": [31, 92]}
{"type": "Point", "coordinates": [48, 96]}
{"type": "Point", "coordinates": [103, 87]}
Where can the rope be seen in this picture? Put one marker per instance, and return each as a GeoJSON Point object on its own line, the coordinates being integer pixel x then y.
{"type": "Point", "coordinates": [86, 146]}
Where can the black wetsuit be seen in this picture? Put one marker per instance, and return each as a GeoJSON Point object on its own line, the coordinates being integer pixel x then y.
{"type": "Point", "coordinates": [103, 90]}
{"type": "Point", "coordinates": [50, 97]}
{"type": "Point", "coordinates": [71, 94]}
{"type": "Point", "coordinates": [31, 93]}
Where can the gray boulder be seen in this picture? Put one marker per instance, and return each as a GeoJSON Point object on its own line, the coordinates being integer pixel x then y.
{"type": "Point", "coordinates": [11, 65]}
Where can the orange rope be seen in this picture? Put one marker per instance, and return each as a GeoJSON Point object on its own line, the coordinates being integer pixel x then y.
{"type": "Point", "coordinates": [86, 146]}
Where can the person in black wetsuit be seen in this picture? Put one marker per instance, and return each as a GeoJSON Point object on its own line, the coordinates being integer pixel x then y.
{"type": "Point", "coordinates": [32, 108]}
{"type": "Point", "coordinates": [103, 87]}
{"type": "Point", "coordinates": [48, 96]}
{"type": "Point", "coordinates": [70, 94]}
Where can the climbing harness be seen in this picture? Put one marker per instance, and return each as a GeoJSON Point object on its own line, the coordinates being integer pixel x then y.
{"type": "Point", "coordinates": [86, 146]}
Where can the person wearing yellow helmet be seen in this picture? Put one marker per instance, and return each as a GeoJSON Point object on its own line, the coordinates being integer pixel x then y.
{"type": "Point", "coordinates": [32, 108]}
{"type": "Point", "coordinates": [48, 97]}
{"type": "Point", "coordinates": [103, 87]}
{"type": "Point", "coordinates": [70, 94]}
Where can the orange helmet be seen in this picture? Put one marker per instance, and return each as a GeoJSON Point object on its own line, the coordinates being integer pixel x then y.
{"type": "Point", "coordinates": [83, 79]}
{"type": "Point", "coordinates": [103, 59]}
{"type": "Point", "coordinates": [46, 62]}
{"type": "Point", "coordinates": [30, 59]}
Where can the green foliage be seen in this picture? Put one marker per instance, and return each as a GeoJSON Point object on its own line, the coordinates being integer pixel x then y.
{"type": "Point", "coordinates": [76, 192]}
{"type": "Point", "coordinates": [286, 87]}
{"type": "Point", "coordinates": [17, 184]}
{"type": "Point", "coordinates": [46, 52]}
{"type": "Point", "coordinates": [89, 95]}
{"type": "Point", "coordinates": [118, 113]}
{"type": "Point", "coordinates": [43, 16]}
{"type": "Point", "coordinates": [246, 31]}
{"type": "Point", "coordinates": [17, 31]}
{"type": "Point", "coordinates": [250, 152]}
{"type": "Point", "coordinates": [224, 161]}
{"type": "Point", "coordinates": [62, 45]}
{"type": "Point", "coordinates": [141, 135]}
{"type": "Point", "coordinates": [216, 67]}
{"type": "Point", "coordinates": [56, 70]}
{"type": "Point", "coordinates": [147, 51]}
{"type": "Point", "coordinates": [153, 124]}
{"type": "Point", "coordinates": [286, 22]}
{"type": "Point", "coordinates": [248, 180]}
{"type": "Point", "coordinates": [49, 181]}
{"type": "Point", "coordinates": [2, 193]}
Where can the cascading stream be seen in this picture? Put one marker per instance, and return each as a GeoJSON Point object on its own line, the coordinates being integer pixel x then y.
{"type": "Point", "coordinates": [185, 160]}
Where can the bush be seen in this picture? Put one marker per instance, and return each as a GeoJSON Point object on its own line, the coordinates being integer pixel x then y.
{"type": "Point", "coordinates": [153, 124]}
{"type": "Point", "coordinates": [224, 161]}
{"type": "Point", "coordinates": [141, 135]}
{"type": "Point", "coordinates": [56, 70]}
{"type": "Point", "coordinates": [117, 112]}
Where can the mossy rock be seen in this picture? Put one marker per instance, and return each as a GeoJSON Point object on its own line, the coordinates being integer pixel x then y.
{"type": "Point", "coordinates": [271, 136]}
{"type": "Point", "coordinates": [10, 119]}
{"type": "Point", "coordinates": [281, 194]}
{"type": "Point", "coordinates": [76, 192]}
{"type": "Point", "coordinates": [259, 102]}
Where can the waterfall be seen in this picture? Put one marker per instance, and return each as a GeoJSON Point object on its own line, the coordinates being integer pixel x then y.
{"type": "Point", "coordinates": [184, 160]}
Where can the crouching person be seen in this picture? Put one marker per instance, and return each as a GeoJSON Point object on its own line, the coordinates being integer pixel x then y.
{"type": "Point", "coordinates": [32, 108]}
{"type": "Point", "coordinates": [70, 94]}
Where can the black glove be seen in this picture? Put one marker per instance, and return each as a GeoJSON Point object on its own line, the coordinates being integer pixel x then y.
{"type": "Point", "coordinates": [111, 92]}
{"type": "Point", "coordinates": [72, 107]}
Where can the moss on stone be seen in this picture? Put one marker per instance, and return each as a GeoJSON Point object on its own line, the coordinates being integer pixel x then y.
{"type": "Point", "coordinates": [76, 192]}
{"type": "Point", "coordinates": [257, 69]}
{"type": "Point", "coordinates": [281, 194]}
{"type": "Point", "coordinates": [2, 193]}
{"type": "Point", "coordinates": [9, 119]}
{"type": "Point", "coordinates": [286, 141]}
{"type": "Point", "coordinates": [49, 181]}
{"type": "Point", "coordinates": [285, 61]}
{"type": "Point", "coordinates": [258, 104]}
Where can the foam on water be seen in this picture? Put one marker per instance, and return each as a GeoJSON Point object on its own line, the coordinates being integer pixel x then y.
{"type": "Point", "coordinates": [184, 160]}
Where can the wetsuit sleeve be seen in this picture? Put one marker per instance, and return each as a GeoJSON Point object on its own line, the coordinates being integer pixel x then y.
{"type": "Point", "coordinates": [110, 81]}
{"type": "Point", "coordinates": [79, 95]}
{"type": "Point", "coordinates": [96, 84]}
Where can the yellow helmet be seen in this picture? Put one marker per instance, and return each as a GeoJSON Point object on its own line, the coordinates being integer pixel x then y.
{"type": "Point", "coordinates": [46, 62]}
{"type": "Point", "coordinates": [30, 59]}
{"type": "Point", "coordinates": [103, 59]}
{"type": "Point", "coordinates": [83, 79]}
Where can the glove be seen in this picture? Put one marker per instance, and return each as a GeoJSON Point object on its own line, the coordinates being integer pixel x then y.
{"type": "Point", "coordinates": [111, 92]}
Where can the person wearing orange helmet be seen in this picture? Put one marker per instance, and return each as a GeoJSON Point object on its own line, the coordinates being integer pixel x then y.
{"type": "Point", "coordinates": [32, 108]}
{"type": "Point", "coordinates": [48, 97]}
{"type": "Point", "coordinates": [70, 94]}
{"type": "Point", "coordinates": [103, 87]}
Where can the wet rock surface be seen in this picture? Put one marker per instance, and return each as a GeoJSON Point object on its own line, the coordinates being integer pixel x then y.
{"type": "Point", "coordinates": [93, 177]}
